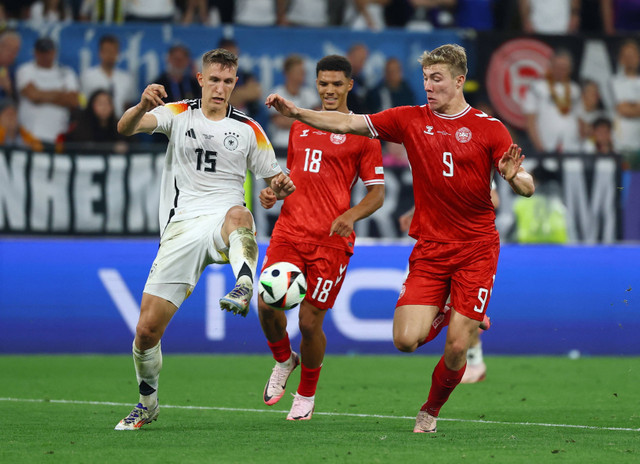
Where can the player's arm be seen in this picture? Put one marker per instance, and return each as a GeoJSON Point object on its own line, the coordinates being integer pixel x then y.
{"type": "Point", "coordinates": [137, 119]}
{"type": "Point", "coordinates": [331, 121]}
{"type": "Point", "coordinates": [343, 224]}
{"type": "Point", "coordinates": [405, 220]}
{"type": "Point", "coordinates": [281, 185]}
{"type": "Point", "coordinates": [510, 167]}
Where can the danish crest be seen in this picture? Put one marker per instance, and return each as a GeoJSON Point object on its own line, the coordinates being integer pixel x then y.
{"type": "Point", "coordinates": [463, 135]}
{"type": "Point", "coordinates": [338, 138]}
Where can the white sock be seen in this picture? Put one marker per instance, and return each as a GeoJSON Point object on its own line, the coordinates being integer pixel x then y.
{"type": "Point", "coordinates": [474, 355]}
{"type": "Point", "coordinates": [243, 254]}
{"type": "Point", "coordinates": [148, 364]}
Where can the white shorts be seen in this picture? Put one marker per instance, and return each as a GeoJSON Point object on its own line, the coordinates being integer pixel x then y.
{"type": "Point", "coordinates": [186, 249]}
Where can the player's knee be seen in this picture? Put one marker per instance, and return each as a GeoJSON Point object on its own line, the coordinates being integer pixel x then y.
{"type": "Point", "coordinates": [405, 344]}
{"type": "Point", "coordinates": [239, 216]}
{"type": "Point", "coordinates": [147, 336]}
{"type": "Point", "coordinates": [456, 349]}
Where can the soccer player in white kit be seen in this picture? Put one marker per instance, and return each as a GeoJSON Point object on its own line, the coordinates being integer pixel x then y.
{"type": "Point", "coordinates": [203, 219]}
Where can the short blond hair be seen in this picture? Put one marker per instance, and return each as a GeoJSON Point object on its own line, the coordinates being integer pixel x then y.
{"type": "Point", "coordinates": [452, 55]}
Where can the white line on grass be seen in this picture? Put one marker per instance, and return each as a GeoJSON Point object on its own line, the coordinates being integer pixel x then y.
{"type": "Point", "coordinates": [342, 414]}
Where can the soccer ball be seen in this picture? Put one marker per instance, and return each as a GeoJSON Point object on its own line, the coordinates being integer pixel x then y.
{"type": "Point", "coordinates": [282, 286]}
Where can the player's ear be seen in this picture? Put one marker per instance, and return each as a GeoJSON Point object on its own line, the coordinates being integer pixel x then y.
{"type": "Point", "coordinates": [350, 84]}
{"type": "Point", "coordinates": [200, 78]}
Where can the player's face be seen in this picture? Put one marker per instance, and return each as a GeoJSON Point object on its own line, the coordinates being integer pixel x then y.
{"type": "Point", "coordinates": [441, 86]}
{"type": "Point", "coordinates": [333, 88]}
{"type": "Point", "coordinates": [217, 83]}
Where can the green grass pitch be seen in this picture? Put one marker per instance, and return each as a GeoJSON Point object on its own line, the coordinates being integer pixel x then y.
{"type": "Point", "coordinates": [528, 410]}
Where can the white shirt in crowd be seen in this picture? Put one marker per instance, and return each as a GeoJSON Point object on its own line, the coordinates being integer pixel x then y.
{"type": "Point", "coordinates": [307, 98]}
{"type": "Point", "coordinates": [151, 8]}
{"type": "Point", "coordinates": [310, 13]}
{"type": "Point", "coordinates": [255, 12]}
{"type": "Point", "coordinates": [557, 131]}
{"type": "Point", "coordinates": [626, 131]}
{"type": "Point", "coordinates": [550, 16]}
{"type": "Point", "coordinates": [45, 120]}
{"type": "Point", "coordinates": [120, 85]}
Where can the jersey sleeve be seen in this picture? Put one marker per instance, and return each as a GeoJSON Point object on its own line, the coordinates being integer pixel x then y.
{"type": "Point", "coordinates": [386, 125]}
{"type": "Point", "coordinates": [370, 169]}
{"type": "Point", "coordinates": [500, 141]}
{"type": "Point", "coordinates": [164, 116]}
{"type": "Point", "coordinates": [262, 159]}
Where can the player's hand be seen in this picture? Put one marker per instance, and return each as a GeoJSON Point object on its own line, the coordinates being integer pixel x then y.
{"type": "Point", "coordinates": [152, 96]}
{"type": "Point", "coordinates": [510, 163]}
{"type": "Point", "coordinates": [281, 105]}
{"type": "Point", "coordinates": [282, 185]}
{"type": "Point", "coordinates": [404, 221]}
{"type": "Point", "coordinates": [342, 225]}
{"type": "Point", "coordinates": [267, 198]}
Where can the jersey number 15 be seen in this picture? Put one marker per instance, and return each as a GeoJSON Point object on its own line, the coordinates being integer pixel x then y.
{"type": "Point", "coordinates": [206, 160]}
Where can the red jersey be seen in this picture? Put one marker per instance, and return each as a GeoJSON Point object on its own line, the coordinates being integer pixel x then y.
{"type": "Point", "coordinates": [452, 159]}
{"type": "Point", "coordinates": [325, 167]}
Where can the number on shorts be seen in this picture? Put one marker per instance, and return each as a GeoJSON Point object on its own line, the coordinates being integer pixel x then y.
{"type": "Point", "coordinates": [324, 293]}
{"type": "Point", "coordinates": [483, 294]}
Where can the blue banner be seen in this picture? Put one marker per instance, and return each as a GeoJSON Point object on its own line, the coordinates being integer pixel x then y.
{"type": "Point", "coordinates": [82, 296]}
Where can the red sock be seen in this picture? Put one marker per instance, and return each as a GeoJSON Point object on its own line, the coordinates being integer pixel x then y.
{"type": "Point", "coordinates": [443, 381]}
{"type": "Point", "coordinates": [281, 349]}
{"type": "Point", "coordinates": [308, 380]}
{"type": "Point", "coordinates": [439, 322]}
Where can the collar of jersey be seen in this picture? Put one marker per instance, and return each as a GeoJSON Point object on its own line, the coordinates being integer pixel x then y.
{"type": "Point", "coordinates": [453, 116]}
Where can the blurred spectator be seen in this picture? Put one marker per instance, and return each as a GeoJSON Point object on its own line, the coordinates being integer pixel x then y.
{"type": "Point", "coordinates": [591, 19]}
{"type": "Point", "coordinates": [10, 43]}
{"type": "Point", "coordinates": [550, 107]}
{"type": "Point", "coordinates": [550, 16]}
{"type": "Point", "coordinates": [429, 14]}
{"type": "Point", "coordinates": [178, 79]}
{"type": "Point", "coordinates": [306, 13]}
{"type": "Point", "coordinates": [103, 11]}
{"type": "Point", "coordinates": [365, 14]}
{"type": "Point", "coordinates": [590, 108]}
{"type": "Point", "coordinates": [601, 140]}
{"type": "Point", "coordinates": [247, 94]}
{"type": "Point", "coordinates": [293, 89]}
{"type": "Point", "coordinates": [194, 11]}
{"type": "Point", "coordinates": [255, 12]}
{"type": "Point", "coordinates": [392, 91]}
{"type": "Point", "coordinates": [14, 9]}
{"type": "Point", "coordinates": [394, 154]}
{"type": "Point", "coordinates": [108, 77]}
{"type": "Point", "coordinates": [620, 15]}
{"type": "Point", "coordinates": [397, 13]}
{"type": "Point", "coordinates": [43, 12]}
{"type": "Point", "coordinates": [626, 96]}
{"type": "Point", "coordinates": [48, 93]}
{"type": "Point", "coordinates": [150, 11]}
{"type": "Point", "coordinates": [97, 126]}
{"type": "Point", "coordinates": [476, 14]}
{"type": "Point", "coordinates": [506, 15]}
{"type": "Point", "coordinates": [11, 133]}
{"type": "Point", "coordinates": [356, 99]}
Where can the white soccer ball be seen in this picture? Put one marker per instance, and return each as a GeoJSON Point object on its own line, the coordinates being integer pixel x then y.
{"type": "Point", "coordinates": [282, 285]}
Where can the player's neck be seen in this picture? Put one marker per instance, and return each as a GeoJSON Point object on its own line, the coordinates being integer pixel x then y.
{"type": "Point", "coordinates": [455, 106]}
{"type": "Point", "coordinates": [215, 113]}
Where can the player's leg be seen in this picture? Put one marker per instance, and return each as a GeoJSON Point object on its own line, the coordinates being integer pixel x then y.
{"type": "Point", "coordinates": [155, 314]}
{"type": "Point", "coordinates": [274, 326]}
{"type": "Point", "coordinates": [476, 370]}
{"type": "Point", "coordinates": [238, 234]}
{"type": "Point", "coordinates": [411, 325]}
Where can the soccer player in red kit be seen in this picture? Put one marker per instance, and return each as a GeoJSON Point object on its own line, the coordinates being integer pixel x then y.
{"type": "Point", "coordinates": [315, 231]}
{"type": "Point", "coordinates": [453, 150]}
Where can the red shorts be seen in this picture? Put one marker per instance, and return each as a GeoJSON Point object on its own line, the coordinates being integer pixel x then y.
{"type": "Point", "coordinates": [467, 270]}
{"type": "Point", "coordinates": [323, 267]}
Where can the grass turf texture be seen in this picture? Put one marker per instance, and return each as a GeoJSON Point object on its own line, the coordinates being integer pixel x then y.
{"type": "Point", "coordinates": [365, 407]}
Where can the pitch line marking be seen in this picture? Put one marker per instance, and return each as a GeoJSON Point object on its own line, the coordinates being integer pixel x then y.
{"type": "Point", "coordinates": [340, 414]}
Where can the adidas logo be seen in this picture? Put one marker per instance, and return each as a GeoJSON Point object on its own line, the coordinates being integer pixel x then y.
{"type": "Point", "coordinates": [190, 133]}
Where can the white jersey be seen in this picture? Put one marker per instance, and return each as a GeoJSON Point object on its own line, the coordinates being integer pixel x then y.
{"type": "Point", "coordinates": [207, 161]}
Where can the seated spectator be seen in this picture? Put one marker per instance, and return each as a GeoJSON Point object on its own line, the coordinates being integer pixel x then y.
{"type": "Point", "coordinates": [476, 14]}
{"type": "Point", "coordinates": [362, 15]}
{"type": "Point", "coordinates": [10, 43]}
{"type": "Point", "coordinates": [194, 11]}
{"type": "Point", "coordinates": [589, 108]}
{"type": "Point", "coordinates": [96, 127]}
{"type": "Point", "coordinates": [255, 12]}
{"type": "Point", "coordinates": [626, 98]}
{"type": "Point", "coordinates": [179, 80]}
{"type": "Point", "coordinates": [107, 76]}
{"type": "Point", "coordinates": [150, 11]}
{"type": "Point", "coordinates": [43, 12]}
{"type": "Point", "coordinates": [101, 11]}
{"type": "Point", "coordinates": [357, 98]}
{"type": "Point", "coordinates": [48, 93]}
{"type": "Point", "coordinates": [550, 16]}
{"type": "Point", "coordinates": [620, 16]}
{"type": "Point", "coordinates": [429, 14]}
{"type": "Point", "coordinates": [304, 13]}
{"type": "Point", "coordinates": [294, 89]}
{"type": "Point", "coordinates": [392, 91]}
{"type": "Point", "coordinates": [601, 140]}
{"type": "Point", "coordinates": [11, 133]}
{"type": "Point", "coordinates": [247, 94]}
{"type": "Point", "coordinates": [550, 108]}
